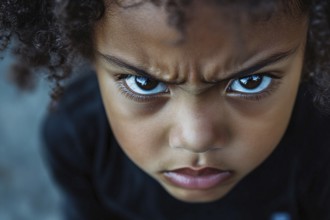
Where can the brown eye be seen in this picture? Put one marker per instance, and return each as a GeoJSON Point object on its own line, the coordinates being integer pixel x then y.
{"type": "Point", "coordinates": [144, 85]}
{"type": "Point", "coordinates": [250, 84]}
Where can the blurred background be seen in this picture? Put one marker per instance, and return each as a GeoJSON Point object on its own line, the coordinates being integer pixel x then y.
{"type": "Point", "coordinates": [26, 190]}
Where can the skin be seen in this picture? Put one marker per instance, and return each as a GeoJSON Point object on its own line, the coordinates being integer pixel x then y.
{"type": "Point", "coordinates": [197, 122]}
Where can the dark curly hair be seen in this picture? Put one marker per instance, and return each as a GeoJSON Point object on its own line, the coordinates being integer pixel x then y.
{"type": "Point", "coordinates": [56, 34]}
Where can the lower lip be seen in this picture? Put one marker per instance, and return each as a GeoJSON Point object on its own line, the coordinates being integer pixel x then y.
{"type": "Point", "coordinates": [197, 182]}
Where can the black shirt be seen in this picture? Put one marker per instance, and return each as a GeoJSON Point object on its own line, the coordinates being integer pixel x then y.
{"type": "Point", "coordinates": [100, 182]}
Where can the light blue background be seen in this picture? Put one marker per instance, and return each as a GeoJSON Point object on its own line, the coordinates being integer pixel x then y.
{"type": "Point", "coordinates": [26, 191]}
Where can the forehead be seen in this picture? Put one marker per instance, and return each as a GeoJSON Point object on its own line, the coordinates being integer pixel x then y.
{"type": "Point", "coordinates": [224, 36]}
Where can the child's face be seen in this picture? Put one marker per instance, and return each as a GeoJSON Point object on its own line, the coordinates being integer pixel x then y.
{"type": "Point", "coordinates": [205, 110]}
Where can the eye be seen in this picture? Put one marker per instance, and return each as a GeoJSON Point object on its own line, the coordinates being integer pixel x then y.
{"type": "Point", "coordinates": [250, 84]}
{"type": "Point", "coordinates": [142, 85]}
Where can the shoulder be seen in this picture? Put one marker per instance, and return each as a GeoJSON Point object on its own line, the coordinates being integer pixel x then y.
{"type": "Point", "coordinates": [81, 96]}
{"type": "Point", "coordinates": [78, 118]}
{"type": "Point", "coordinates": [309, 130]}
{"type": "Point", "coordinates": [313, 124]}
{"type": "Point", "coordinates": [311, 156]}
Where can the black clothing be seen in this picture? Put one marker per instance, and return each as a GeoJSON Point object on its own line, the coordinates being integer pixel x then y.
{"type": "Point", "coordinates": [100, 182]}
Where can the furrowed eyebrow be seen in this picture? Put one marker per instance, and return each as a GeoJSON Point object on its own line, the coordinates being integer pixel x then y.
{"type": "Point", "coordinates": [272, 59]}
{"type": "Point", "coordinates": [123, 64]}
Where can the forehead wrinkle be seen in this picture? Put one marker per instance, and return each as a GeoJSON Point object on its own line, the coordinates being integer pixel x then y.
{"type": "Point", "coordinates": [209, 72]}
{"type": "Point", "coordinates": [212, 68]}
{"type": "Point", "coordinates": [168, 72]}
{"type": "Point", "coordinates": [184, 70]}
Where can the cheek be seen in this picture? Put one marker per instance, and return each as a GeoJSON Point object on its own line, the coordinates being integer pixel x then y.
{"type": "Point", "coordinates": [141, 136]}
{"type": "Point", "coordinates": [253, 143]}
{"type": "Point", "coordinates": [257, 134]}
{"type": "Point", "coordinates": [141, 140]}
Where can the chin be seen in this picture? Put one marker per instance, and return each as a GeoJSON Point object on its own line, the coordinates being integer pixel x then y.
{"type": "Point", "coordinates": [197, 196]}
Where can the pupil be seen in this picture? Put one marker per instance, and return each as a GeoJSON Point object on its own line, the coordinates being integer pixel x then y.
{"type": "Point", "coordinates": [251, 82]}
{"type": "Point", "coordinates": [146, 83]}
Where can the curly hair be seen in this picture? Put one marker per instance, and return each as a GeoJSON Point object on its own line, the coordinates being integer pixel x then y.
{"type": "Point", "coordinates": [55, 35]}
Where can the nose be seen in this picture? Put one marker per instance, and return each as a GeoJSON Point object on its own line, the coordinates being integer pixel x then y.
{"type": "Point", "coordinates": [198, 128]}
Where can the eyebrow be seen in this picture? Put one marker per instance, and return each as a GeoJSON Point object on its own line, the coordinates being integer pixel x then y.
{"type": "Point", "coordinates": [272, 59]}
{"type": "Point", "coordinates": [123, 64]}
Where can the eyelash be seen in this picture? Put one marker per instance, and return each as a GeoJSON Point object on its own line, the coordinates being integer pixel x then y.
{"type": "Point", "coordinates": [259, 96]}
{"type": "Point", "coordinates": [276, 80]}
{"type": "Point", "coordinates": [132, 95]}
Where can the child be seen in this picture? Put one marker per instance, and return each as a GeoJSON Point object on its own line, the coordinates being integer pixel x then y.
{"type": "Point", "coordinates": [206, 110]}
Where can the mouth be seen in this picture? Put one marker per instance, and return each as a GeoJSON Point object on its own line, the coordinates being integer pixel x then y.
{"type": "Point", "coordinates": [201, 179]}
